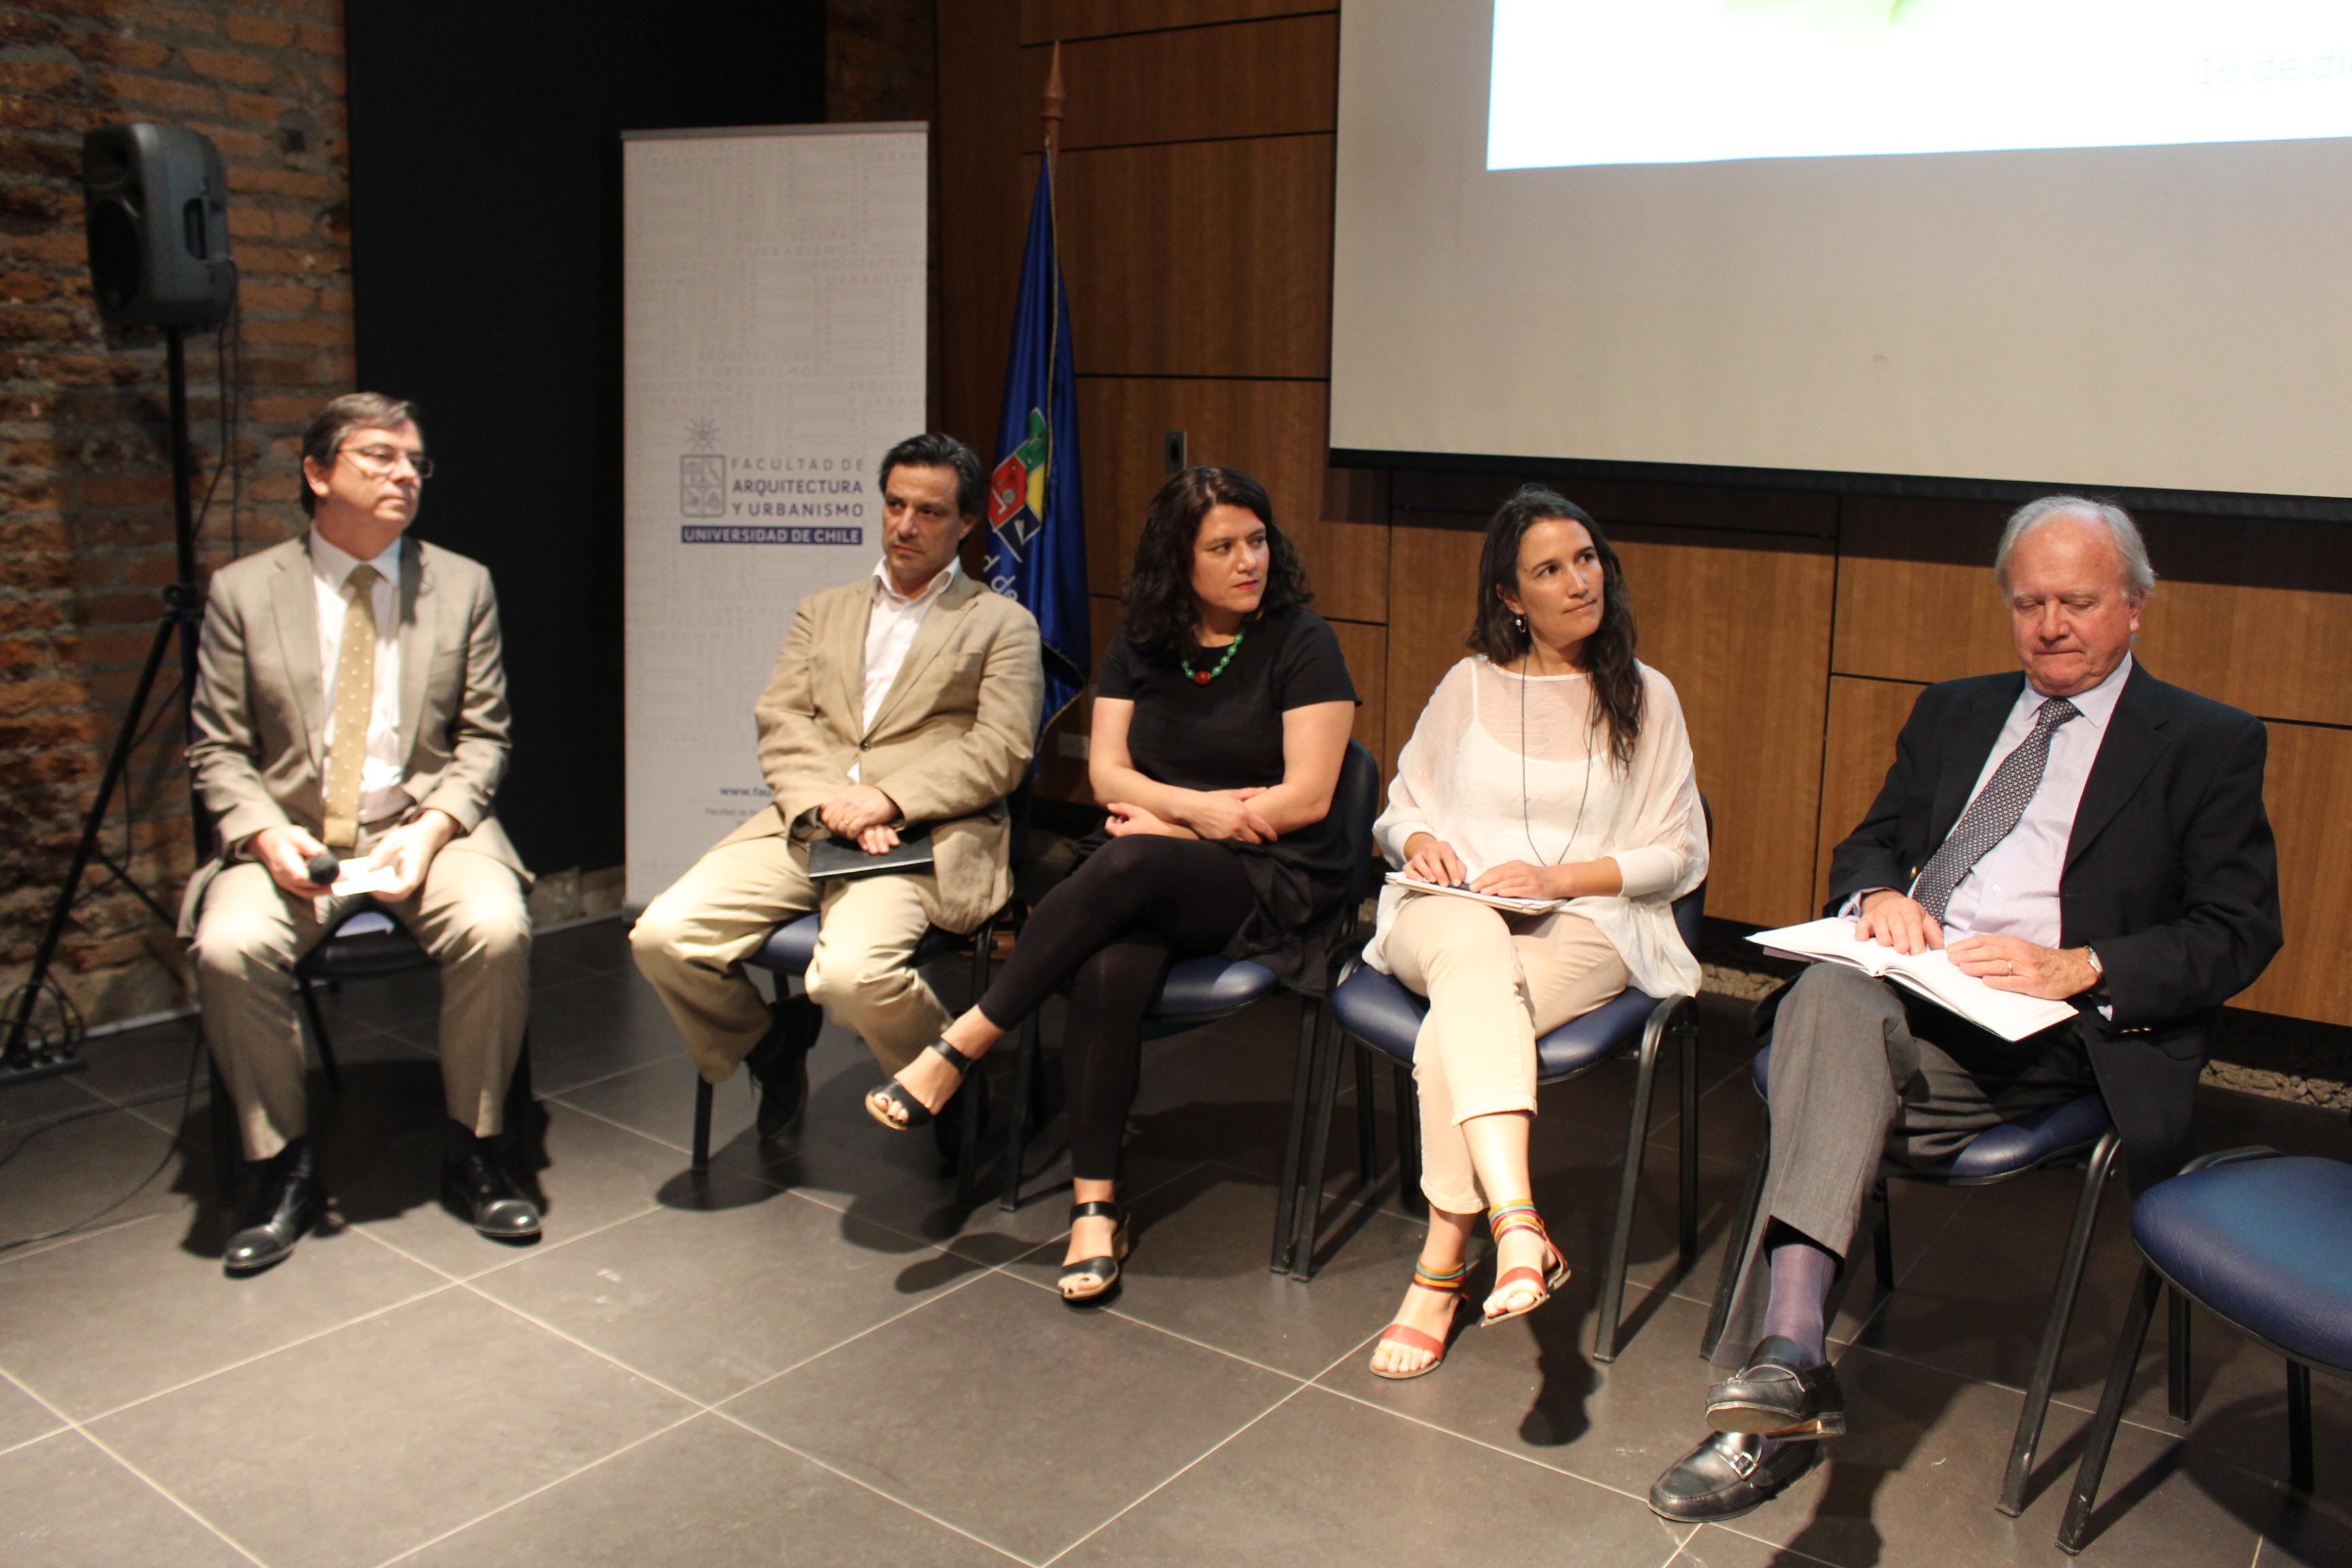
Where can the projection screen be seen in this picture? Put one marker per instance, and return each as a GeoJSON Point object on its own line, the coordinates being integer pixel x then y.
{"type": "Point", "coordinates": [2083, 241]}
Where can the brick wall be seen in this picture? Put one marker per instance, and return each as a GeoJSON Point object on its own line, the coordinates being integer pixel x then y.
{"type": "Point", "coordinates": [86, 535]}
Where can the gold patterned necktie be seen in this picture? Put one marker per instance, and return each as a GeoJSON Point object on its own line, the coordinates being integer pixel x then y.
{"type": "Point", "coordinates": [347, 735]}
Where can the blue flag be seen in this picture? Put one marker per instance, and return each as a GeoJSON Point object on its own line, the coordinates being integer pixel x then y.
{"type": "Point", "coordinates": [1037, 531]}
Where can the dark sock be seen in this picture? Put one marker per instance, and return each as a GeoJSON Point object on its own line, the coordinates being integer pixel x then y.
{"type": "Point", "coordinates": [458, 1140]}
{"type": "Point", "coordinates": [296, 1159]}
{"type": "Point", "coordinates": [1802, 1271]}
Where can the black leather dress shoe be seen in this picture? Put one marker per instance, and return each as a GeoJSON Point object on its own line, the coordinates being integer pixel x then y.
{"type": "Point", "coordinates": [779, 1065]}
{"type": "Point", "coordinates": [1776, 1396]}
{"type": "Point", "coordinates": [478, 1184]}
{"type": "Point", "coordinates": [1730, 1474]}
{"type": "Point", "coordinates": [289, 1202]}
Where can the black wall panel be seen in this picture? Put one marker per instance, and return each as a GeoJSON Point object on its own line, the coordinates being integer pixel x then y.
{"type": "Point", "coordinates": [486, 191]}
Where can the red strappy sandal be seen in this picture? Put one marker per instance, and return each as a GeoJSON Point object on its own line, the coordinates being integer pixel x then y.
{"type": "Point", "coordinates": [1502, 1220]}
{"type": "Point", "coordinates": [1449, 1283]}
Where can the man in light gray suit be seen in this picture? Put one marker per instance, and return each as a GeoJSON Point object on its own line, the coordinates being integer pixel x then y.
{"type": "Point", "coordinates": [350, 702]}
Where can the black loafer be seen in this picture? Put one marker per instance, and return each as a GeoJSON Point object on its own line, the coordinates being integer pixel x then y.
{"type": "Point", "coordinates": [1727, 1476]}
{"type": "Point", "coordinates": [1776, 1396]}
{"type": "Point", "coordinates": [286, 1204]}
{"type": "Point", "coordinates": [477, 1185]}
{"type": "Point", "coordinates": [779, 1065]}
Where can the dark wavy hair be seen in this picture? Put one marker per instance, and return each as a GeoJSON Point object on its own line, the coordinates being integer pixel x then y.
{"type": "Point", "coordinates": [1161, 613]}
{"type": "Point", "coordinates": [1607, 657]}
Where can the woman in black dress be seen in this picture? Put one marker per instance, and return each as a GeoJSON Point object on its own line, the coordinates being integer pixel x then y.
{"type": "Point", "coordinates": [1221, 717]}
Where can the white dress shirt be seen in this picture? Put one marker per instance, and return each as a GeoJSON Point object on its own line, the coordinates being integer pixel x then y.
{"type": "Point", "coordinates": [385, 768]}
{"type": "Point", "coordinates": [2013, 890]}
{"type": "Point", "coordinates": [890, 628]}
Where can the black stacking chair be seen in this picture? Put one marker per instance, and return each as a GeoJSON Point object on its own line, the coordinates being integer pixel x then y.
{"type": "Point", "coordinates": [1200, 991]}
{"type": "Point", "coordinates": [786, 955]}
{"type": "Point", "coordinates": [2264, 1244]}
{"type": "Point", "coordinates": [1383, 1018]}
{"type": "Point", "coordinates": [366, 944]}
{"type": "Point", "coordinates": [2080, 1130]}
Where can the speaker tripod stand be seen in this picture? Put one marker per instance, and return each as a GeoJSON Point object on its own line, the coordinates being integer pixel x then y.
{"type": "Point", "coordinates": [22, 1057]}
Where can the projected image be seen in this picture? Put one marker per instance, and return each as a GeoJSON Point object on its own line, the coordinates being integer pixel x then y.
{"type": "Point", "coordinates": [1583, 82]}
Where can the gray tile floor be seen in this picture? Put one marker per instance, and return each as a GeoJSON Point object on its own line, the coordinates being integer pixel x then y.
{"type": "Point", "coordinates": [822, 1358]}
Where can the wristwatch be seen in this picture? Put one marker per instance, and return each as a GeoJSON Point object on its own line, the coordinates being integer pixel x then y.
{"type": "Point", "coordinates": [2091, 956]}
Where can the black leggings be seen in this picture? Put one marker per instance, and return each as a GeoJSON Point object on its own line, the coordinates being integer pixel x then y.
{"type": "Point", "coordinates": [1116, 923]}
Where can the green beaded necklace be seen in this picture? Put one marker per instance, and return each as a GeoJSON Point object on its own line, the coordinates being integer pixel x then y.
{"type": "Point", "coordinates": [1202, 677]}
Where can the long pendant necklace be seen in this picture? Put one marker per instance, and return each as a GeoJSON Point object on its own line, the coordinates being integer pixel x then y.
{"type": "Point", "coordinates": [1202, 677]}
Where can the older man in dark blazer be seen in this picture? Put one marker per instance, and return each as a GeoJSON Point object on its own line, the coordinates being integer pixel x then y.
{"type": "Point", "coordinates": [2079, 832]}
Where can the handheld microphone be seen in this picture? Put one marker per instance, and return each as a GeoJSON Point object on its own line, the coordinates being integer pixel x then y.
{"type": "Point", "coordinates": [321, 868]}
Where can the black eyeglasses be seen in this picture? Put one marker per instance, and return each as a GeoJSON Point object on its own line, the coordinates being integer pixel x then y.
{"type": "Point", "coordinates": [384, 459]}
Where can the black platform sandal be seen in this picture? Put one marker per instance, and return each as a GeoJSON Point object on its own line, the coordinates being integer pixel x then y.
{"type": "Point", "coordinates": [1090, 1280]}
{"type": "Point", "coordinates": [916, 1112]}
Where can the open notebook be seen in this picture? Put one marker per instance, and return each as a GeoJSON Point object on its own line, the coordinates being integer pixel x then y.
{"type": "Point", "coordinates": [1516, 906]}
{"type": "Point", "coordinates": [1932, 975]}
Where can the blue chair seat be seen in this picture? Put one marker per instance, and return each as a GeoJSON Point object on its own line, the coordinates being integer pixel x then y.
{"type": "Point", "coordinates": [1379, 1010]}
{"type": "Point", "coordinates": [2266, 1244]}
{"type": "Point", "coordinates": [2263, 1242]}
{"type": "Point", "coordinates": [2010, 1148]}
{"type": "Point", "coordinates": [1210, 987]}
{"type": "Point", "coordinates": [791, 946]}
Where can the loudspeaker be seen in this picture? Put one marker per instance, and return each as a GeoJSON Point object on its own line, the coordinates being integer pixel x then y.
{"type": "Point", "coordinates": [156, 205]}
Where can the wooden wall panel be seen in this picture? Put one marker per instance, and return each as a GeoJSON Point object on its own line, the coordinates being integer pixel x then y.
{"type": "Point", "coordinates": [1616, 501]}
{"type": "Point", "coordinates": [2255, 612]}
{"type": "Point", "coordinates": [1864, 717]}
{"type": "Point", "coordinates": [1433, 583]}
{"type": "Point", "coordinates": [984, 211]}
{"type": "Point", "coordinates": [1366, 649]}
{"type": "Point", "coordinates": [1272, 429]}
{"type": "Point", "coordinates": [1753, 685]}
{"type": "Point", "coordinates": [1043, 21]}
{"type": "Point", "coordinates": [1199, 257]}
{"type": "Point", "coordinates": [2304, 790]}
{"type": "Point", "coordinates": [1271, 78]}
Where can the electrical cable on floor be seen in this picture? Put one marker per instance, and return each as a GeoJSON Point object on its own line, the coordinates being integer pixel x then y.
{"type": "Point", "coordinates": [187, 1103]}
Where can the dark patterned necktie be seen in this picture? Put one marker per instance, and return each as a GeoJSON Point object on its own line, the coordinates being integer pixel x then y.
{"type": "Point", "coordinates": [1995, 813]}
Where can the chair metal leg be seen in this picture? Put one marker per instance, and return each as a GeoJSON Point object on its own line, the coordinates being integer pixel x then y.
{"type": "Point", "coordinates": [2298, 1426]}
{"type": "Point", "coordinates": [2178, 1397]}
{"type": "Point", "coordinates": [1881, 1245]}
{"type": "Point", "coordinates": [968, 1148]}
{"type": "Point", "coordinates": [1329, 1051]}
{"type": "Point", "coordinates": [2062, 1298]}
{"type": "Point", "coordinates": [1629, 1188]}
{"type": "Point", "coordinates": [1368, 1129]}
{"type": "Point", "coordinates": [1408, 1129]}
{"type": "Point", "coordinates": [228, 1150]}
{"type": "Point", "coordinates": [2101, 1439]}
{"type": "Point", "coordinates": [318, 1033]}
{"type": "Point", "coordinates": [701, 1157]}
{"type": "Point", "coordinates": [1734, 1246]}
{"type": "Point", "coordinates": [1294, 1139]}
{"type": "Point", "coordinates": [1687, 1036]}
{"type": "Point", "coordinates": [1016, 1132]}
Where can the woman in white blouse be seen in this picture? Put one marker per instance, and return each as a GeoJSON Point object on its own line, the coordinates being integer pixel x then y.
{"type": "Point", "coordinates": [1549, 766]}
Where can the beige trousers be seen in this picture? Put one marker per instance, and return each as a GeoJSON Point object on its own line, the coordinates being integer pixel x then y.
{"type": "Point", "coordinates": [1495, 982]}
{"type": "Point", "coordinates": [691, 942]}
{"type": "Point", "coordinates": [469, 915]}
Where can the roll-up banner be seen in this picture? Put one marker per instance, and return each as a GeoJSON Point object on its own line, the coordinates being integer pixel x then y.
{"type": "Point", "coordinates": [773, 351]}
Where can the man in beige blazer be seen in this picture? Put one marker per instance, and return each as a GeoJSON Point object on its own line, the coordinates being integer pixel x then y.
{"type": "Point", "coordinates": [350, 703]}
{"type": "Point", "coordinates": [907, 699]}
